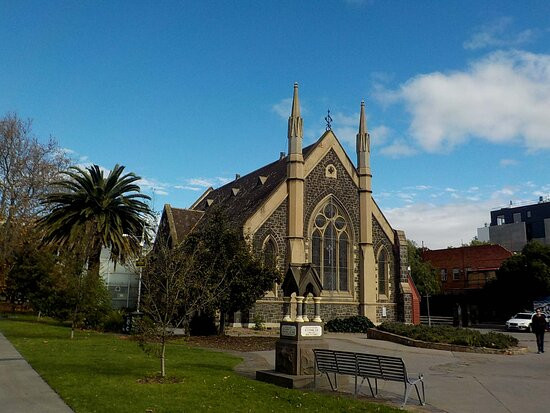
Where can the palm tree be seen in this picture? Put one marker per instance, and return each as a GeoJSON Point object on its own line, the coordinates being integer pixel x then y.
{"type": "Point", "coordinates": [89, 212]}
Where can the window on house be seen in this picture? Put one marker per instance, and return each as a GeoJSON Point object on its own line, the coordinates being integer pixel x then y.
{"type": "Point", "coordinates": [443, 273]}
{"type": "Point", "coordinates": [517, 217]}
{"type": "Point", "coordinates": [330, 248]}
{"type": "Point", "coordinates": [528, 214]}
{"type": "Point", "coordinates": [456, 274]}
{"type": "Point", "coordinates": [500, 220]}
{"type": "Point", "coordinates": [382, 272]}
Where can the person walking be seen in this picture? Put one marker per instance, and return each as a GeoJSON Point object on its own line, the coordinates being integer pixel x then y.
{"type": "Point", "coordinates": [538, 326]}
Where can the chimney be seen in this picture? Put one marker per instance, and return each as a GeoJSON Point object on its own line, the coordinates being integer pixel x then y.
{"type": "Point", "coordinates": [237, 176]}
{"type": "Point", "coordinates": [281, 155]}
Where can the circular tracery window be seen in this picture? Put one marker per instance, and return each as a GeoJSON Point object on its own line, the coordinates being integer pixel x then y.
{"type": "Point", "coordinates": [330, 214]}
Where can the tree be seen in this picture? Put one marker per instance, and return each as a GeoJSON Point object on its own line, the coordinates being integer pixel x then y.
{"type": "Point", "coordinates": [423, 273]}
{"type": "Point", "coordinates": [522, 278]}
{"type": "Point", "coordinates": [177, 282]}
{"type": "Point", "coordinates": [91, 211]}
{"type": "Point", "coordinates": [27, 167]}
{"type": "Point", "coordinates": [475, 242]}
{"type": "Point", "coordinates": [246, 276]}
{"type": "Point", "coordinates": [54, 283]}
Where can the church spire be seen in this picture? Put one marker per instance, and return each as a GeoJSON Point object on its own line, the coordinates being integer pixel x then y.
{"type": "Point", "coordinates": [367, 263]}
{"type": "Point", "coordinates": [295, 125]}
{"type": "Point", "coordinates": [363, 141]}
{"type": "Point", "coordinates": [295, 185]}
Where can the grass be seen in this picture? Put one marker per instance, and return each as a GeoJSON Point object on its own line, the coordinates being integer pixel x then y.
{"type": "Point", "coordinates": [98, 372]}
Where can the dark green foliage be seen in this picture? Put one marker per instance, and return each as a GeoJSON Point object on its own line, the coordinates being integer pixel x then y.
{"type": "Point", "coordinates": [55, 285]}
{"type": "Point", "coordinates": [113, 321]}
{"type": "Point", "coordinates": [355, 324]}
{"type": "Point", "coordinates": [451, 335]}
{"type": "Point", "coordinates": [521, 279]}
{"type": "Point", "coordinates": [91, 211]}
{"type": "Point", "coordinates": [423, 273]}
{"type": "Point", "coordinates": [29, 280]}
{"type": "Point", "coordinates": [245, 276]}
{"type": "Point", "coordinates": [203, 324]}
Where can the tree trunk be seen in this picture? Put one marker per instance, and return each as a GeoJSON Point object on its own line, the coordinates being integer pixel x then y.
{"type": "Point", "coordinates": [221, 330]}
{"type": "Point", "coordinates": [94, 260]}
{"type": "Point", "coordinates": [162, 356]}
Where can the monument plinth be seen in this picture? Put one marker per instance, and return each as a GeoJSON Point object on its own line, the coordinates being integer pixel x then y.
{"type": "Point", "coordinates": [294, 357]}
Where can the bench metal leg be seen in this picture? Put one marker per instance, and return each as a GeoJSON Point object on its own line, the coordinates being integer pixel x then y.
{"type": "Point", "coordinates": [333, 386]}
{"type": "Point", "coordinates": [422, 400]}
{"type": "Point", "coordinates": [370, 386]}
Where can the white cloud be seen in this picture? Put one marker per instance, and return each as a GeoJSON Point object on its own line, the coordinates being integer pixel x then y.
{"type": "Point", "coordinates": [398, 149]}
{"type": "Point", "coordinates": [440, 226]}
{"type": "Point", "coordinates": [198, 184]}
{"type": "Point", "coordinates": [499, 34]}
{"type": "Point", "coordinates": [380, 134]}
{"type": "Point", "coordinates": [506, 191]}
{"type": "Point", "coordinates": [503, 97]}
{"type": "Point", "coordinates": [282, 108]}
{"type": "Point", "coordinates": [153, 185]}
{"type": "Point", "coordinates": [345, 126]}
{"type": "Point", "coordinates": [507, 162]}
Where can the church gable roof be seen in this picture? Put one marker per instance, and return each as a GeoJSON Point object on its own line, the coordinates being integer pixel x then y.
{"type": "Point", "coordinates": [176, 223]}
{"type": "Point", "coordinates": [240, 198]}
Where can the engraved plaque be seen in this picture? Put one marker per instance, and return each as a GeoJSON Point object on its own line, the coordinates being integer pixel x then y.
{"type": "Point", "coordinates": [288, 331]}
{"type": "Point", "coordinates": [311, 331]}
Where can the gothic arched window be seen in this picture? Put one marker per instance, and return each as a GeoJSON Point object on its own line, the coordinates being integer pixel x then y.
{"type": "Point", "coordinates": [270, 253]}
{"type": "Point", "coordinates": [382, 272]}
{"type": "Point", "coordinates": [330, 247]}
{"type": "Point", "coordinates": [269, 257]}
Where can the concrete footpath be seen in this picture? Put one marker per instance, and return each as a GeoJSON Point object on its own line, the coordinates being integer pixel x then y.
{"type": "Point", "coordinates": [455, 382]}
{"type": "Point", "coordinates": [22, 390]}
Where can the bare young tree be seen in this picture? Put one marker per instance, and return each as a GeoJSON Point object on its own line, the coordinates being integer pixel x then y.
{"type": "Point", "coordinates": [27, 167]}
{"type": "Point", "coordinates": [176, 284]}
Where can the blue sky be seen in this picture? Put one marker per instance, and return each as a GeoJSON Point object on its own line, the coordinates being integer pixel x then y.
{"type": "Point", "coordinates": [187, 94]}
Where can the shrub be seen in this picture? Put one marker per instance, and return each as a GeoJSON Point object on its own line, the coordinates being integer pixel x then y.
{"type": "Point", "coordinates": [258, 323]}
{"type": "Point", "coordinates": [113, 321]}
{"type": "Point", "coordinates": [451, 335]}
{"type": "Point", "coordinates": [355, 324]}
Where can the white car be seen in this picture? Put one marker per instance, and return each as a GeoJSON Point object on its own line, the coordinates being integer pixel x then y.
{"type": "Point", "coordinates": [521, 322]}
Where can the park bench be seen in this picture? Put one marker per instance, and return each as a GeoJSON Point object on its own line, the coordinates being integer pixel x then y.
{"type": "Point", "coordinates": [367, 367]}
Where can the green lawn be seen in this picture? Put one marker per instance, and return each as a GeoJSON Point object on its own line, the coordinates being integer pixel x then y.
{"type": "Point", "coordinates": [98, 372]}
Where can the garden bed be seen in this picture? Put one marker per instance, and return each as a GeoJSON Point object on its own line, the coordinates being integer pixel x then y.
{"type": "Point", "coordinates": [376, 334]}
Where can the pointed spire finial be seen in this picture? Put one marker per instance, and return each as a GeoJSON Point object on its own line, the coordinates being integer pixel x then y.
{"type": "Point", "coordinates": [295, 112]}
{"type": "Point", "coordinates": [362, 120]}
{"type": "Point", "coordinates": [295, 127]}
{"type": "Point", "coordinates": [363, 138]}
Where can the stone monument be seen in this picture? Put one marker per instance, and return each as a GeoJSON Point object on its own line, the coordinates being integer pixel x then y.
{"type": "Point", "coordinates": [298, 335]}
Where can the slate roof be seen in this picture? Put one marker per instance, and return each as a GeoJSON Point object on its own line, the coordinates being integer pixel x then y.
{"type": "Point", "coordinates": [185, 220]}
{"type": "Point", "coordinates": [242, 197]}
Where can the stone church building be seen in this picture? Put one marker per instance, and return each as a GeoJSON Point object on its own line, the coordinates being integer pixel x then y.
{"type": "Point", "coordinates": [313, 209]}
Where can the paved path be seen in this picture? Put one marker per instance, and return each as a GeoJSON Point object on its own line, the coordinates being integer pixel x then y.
{"type": "Point", "coordinates": [22, 390]}
{"type": "Point", "coordinates": [460, 382]}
